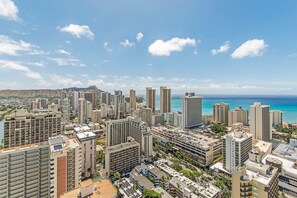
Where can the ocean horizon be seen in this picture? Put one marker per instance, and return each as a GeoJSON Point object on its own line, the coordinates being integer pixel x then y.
{"type": "Point", "coordinates": [285, 103]}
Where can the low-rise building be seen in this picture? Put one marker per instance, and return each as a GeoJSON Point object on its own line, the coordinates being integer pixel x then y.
{"type": "Point", "coordinates": [201, 148]}
{"type": "Point", "coordinates": [287, 173]}
{"type": "Point", "coordinates": [127, 189]}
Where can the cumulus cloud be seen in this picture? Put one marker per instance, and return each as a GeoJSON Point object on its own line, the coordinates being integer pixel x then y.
{"type": "Point", "coordinates": [11, 65]}
{"type": "Point", "coordinates": [106, 46]}
{"type": "Point", "coordinates": [11, 47]}
{"type": "Point", "coordinates": [139, 36]}
{"type": "Point", "coordinates": [78, 31]}
{"type": "Point", "coordinates": [127, 43]}
{"type": "Point", "coordinates": [223, 48]}
{"type": "Point", "coordinates": [165, 48]}
{"type": "Point", "coordinates": [250, 48]}
{"type": "Point", "coordinates": [9, 10]}
{"type": "Point", "coordinates": [63, 81]}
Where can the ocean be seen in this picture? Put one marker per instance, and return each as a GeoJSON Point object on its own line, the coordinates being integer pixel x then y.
{"type": "Point", "coordinates": [287, 104]}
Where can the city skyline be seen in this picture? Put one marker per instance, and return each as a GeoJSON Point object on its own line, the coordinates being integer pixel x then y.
{"type": "Point", "coordinates": [206, 47]}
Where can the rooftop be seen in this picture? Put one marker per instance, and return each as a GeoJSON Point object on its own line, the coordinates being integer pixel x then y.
{"type": "Point", "coordinates": [286, 151]}
{"type": "Point", "coordinates": [126, 189]}
{"type": "Point", "coordinates": [288, 166]}
{"type": "Point", "coordinates": [185, 135]}
{"type": "Point", "coordinates": [142, 180]}
{"type": "Point", "coordinates": [103, 189]}
{"type": "Point", "coordinates": [85, 135]}
{"type": "Point", "coordinates": [163, 193]}
{"type": "Point", "coordinates": [238, 135]}
{"type": "Point", "coordinates": [20, 148]}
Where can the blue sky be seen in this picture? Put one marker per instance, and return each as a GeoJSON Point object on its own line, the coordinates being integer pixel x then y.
{"type": "Point", "coordinates": [205, 46]}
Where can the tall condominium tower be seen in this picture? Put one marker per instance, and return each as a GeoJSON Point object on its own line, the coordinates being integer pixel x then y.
{"type": "Point", "coordinates": [260, 122]}
{"type": "Point", "coordinates": [106, 98]}
{"type": "Point", "coordinates": [276, 118]}
{"type": "Point", "coordinates": [65, 165]}
{"type": "Point", "coordinates": [238, 115]}
{"type": "Point", "coordinates": [192, 110]}
{"type": "Point", "coordinates": [75, 100]}
{"type": "Point", "coordinates": [151, 98]}
{"type": "Point", "coordinates": [236, 148]}
{"type": "Point", "coordinates": [220, 113]}
{"type": "Point", "coordinates": [132, 104]}
{"type": "Point", "coordinates": [25, 171]}
{"type": "Point", "coordinates": [82, 111]}
{"type": "Point", "coordinates": [21, 127]}
{"type": "Point", "coordinates": [91, 97]}
{"type": "Point", "coordinates": [119, 130]}
{"type": "Point", "coordinates": [165, 99]}
{"type": "Point", "coordinates": [119, 102]}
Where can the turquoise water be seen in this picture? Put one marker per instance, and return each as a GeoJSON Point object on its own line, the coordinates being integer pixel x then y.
{"type": "Point", "coordinates": [287, 104]}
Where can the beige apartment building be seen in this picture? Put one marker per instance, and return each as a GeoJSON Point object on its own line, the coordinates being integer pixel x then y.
{"type": "Point", "coordinates": [88, 144]}
{"type": "Point", "coordinates": [151, 98]}
{"type": "Point", "coordinates": [220, 113]}
{"type": "Point", "coordinates": [65, 163]}
{"type": "Point", "coordinates": [25, 171]}
{"type": "Point", "coordinates": [165, 99]}
{"type": "Point", "coordinates": [238, 115]}
{"type": "Point", "coordinates": [22, 127]}
{"type": "Point", "coordinates": [192, 110]}
{"type": "Point", "coordinates": [255, 180]}
{"type": "Point", "coordinates": [260, 125]}
{"type": "Point", "coordinates": [132, 104]}
{"type": "Point", "coordinates": [122, 157]}
{"type": "Point", "coordinates": [201, 148]}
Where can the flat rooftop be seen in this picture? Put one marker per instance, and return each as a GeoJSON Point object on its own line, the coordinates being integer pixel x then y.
{"type": "Point", "coordinates": [238, 135]}
{"type": "Point", "coordinates": [188, 136]}
{"type": "Point", "coordinates": [288, 166]}
{"type": "Point", "coordinates": [263, 146]}
{"type": "Point", "coordinates": [85, 135]}
{"type": "Point", "coordinates": [105, 189]}
{"type": "Point", "coordinates": [286, 151]}
{"type": "Point", "coordinates": [23, 147]}
{"type": "Point", "coordinates": [127, 189]}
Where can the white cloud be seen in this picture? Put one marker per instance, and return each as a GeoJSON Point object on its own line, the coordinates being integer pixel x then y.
{"type": "Point", "coordinates": [78, 30]}
{"type": "Point", "coordinates": [11, 65]}
{"type": "Point", "coordinates": [107, 47]}
{"type": "Point", "coordinates": [127, 43]}
{"type": "Point", "coordinates": [165, 48]}
{"type": "Point", "coordinates": [139, 36]}
{"type": "Point", "coordinates": [250, 48]}
{"type": "Point", "coordinates": [61, 51]}
{"type": "Point", "coordinates": [67, 62]}
{"type": "Point", "coordinates": [11, 47]}
{"type": "Point", "coordinates": [223, 48]}
{"type": "Point", "coordinates": [38, 64]}
{"type": "Point", "coordinates": [9, 10]}
{"type": "Point", "coordinates": [62, 81]}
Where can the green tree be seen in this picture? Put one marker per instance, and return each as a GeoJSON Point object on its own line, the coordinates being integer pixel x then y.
{"type": "Point", "coordinates": [218, 128]}
{"type": "Point", "coordinates": [151, 194]}
{"type": "Point", "coordinates": [117, 175]}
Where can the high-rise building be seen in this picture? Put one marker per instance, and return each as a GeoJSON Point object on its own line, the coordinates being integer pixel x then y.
{"type": "Point", "coordinates": [220, 113]}
{"type": "Point", "coordinates": [91, 97]}
{"type": "Point", "coordinates": [82, 111]}
{"type": "Point", "coordinates": [122, 157]}
{"type": "Point", "coordinates": [260, 125]}
{"type": "Point", "coordinates": [145, 114]}
{"type": "Point", "coordinates": [65, 111]}
{"type": "Point", "coordinates": [35, 105]}
{"type": "Point", "coordinates": [22, 127]}
{"type": "Point", "coordinates": [119, 130]}
{"type": "Point", "coordinates": [89, 111]}
{"type": "Point", "coordinates": [75, 101]}
{"type": "Point", "coordinates": [88, 144]}
{"type": "Point", "coordinates": [132, 104]}
{"type": "Point", "coordinates": [96, 116]}
{"type": "Point", "coordinates": [65, 165]}
{"type": "Point", "coordinates": [255, 180]}
{"type": "Point", "coordinates": [25, 171]}
{"type": "Point", "coordinates": [276, 118]}
{"type": "Point", "coordinates": [119, 102]}
{"type": "Point", "coordinates": [236, 148]}
{"type": "Point", "coordinates": [192, 110]}
{"type": "Point", "coordinates": [106, 98]}
{"type": "Point", "coordinates": [165, 99]}
{"type": "Point", "coordinates": [151, 98]}
{"type": "Point", "coordinates": [238, 115]}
